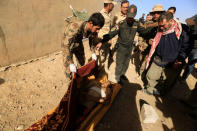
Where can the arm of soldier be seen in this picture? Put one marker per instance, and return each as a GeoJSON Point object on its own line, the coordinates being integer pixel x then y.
{"type": "Point", "coordinates": [94, 42]}
{"type": "Point", "coordinates": [67, 43]}
{"type": "Point", "coordinates": [145, 29]}
{"type": "Point", "coordinates": [106, 38]}
{"type": "Point", "coordinates": [110, 35]}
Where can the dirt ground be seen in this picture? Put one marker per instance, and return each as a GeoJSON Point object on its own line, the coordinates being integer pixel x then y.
{"type": "Point", "coordinates": [29, 91]}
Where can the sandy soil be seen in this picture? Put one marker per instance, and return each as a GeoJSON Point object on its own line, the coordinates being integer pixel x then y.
{"type": "Point", "coordinates": [29, 91]}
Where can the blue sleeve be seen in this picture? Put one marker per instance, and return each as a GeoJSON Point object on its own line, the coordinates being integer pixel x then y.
{"type": "Point", "coordinates": [184, 41]}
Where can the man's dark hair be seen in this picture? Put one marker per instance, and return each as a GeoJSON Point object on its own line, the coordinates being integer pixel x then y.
{"type": "Point", "coordinates": [172, 8]}
{"type": "Point", "coordinates": [106, 4]}
{"type": "Point", "coordinates": [124, 1]}
{"type": "Point", "coordinates": [97, 19]}
{"type": "Point", "coordinates": [167, 15]}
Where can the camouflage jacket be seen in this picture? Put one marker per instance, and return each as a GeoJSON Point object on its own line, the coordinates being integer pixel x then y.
{"type": "Point", "coordinates": [150, 30]}
{"type": "Point", "coordinates": [118, 17]}
{"type": "Point", "coordinates": [74, 33]}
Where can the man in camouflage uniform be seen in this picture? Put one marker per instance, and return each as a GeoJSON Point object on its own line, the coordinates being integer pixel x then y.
{"type": "Point", "coordinates": [119, 16]}
{"type": "Point", "coordinates": [104, 50]}
{"type": "Point", "coordinates": [72, 44]}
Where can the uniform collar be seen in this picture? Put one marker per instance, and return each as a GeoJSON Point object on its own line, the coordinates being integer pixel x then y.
{"type": "Point", "coordinates": [104, 11]}
{"type": "Point", "coordinates": [121, 14]}
{"type": "Point", "coordinates": [86, 33]}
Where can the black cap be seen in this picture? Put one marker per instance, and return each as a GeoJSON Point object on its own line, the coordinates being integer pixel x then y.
{"type": "Point", "coordinates": [132, 11]}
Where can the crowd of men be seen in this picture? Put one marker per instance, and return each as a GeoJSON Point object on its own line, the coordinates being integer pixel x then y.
{"type": "Point", "coordinates": [162, 42]}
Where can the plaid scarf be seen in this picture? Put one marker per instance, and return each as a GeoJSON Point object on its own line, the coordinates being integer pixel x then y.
{"type": "Point", "coordinates": [175, 27]}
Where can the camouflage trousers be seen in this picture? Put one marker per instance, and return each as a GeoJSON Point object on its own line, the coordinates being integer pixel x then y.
{"type": "Point", "coordinates": [79, 54]}
{"type": "Point", "coordinates": [103, 55]}
{"type": "Point", "coordinates": [143, 59]}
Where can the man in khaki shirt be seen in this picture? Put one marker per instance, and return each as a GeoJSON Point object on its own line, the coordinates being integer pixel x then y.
{"type": "Point", "coordinates": [110, 65]}
{"type": "Point", "coordinates": [104, 50]}
{"type": "Point", "coordinates": [106, 12]}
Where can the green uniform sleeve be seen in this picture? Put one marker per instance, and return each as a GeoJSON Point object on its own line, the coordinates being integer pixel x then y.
{"type": "Point", "coordinates": [146, 29]}
{"type": "Point", "coordinates": [68, 42]}
{"type": "Point", "coordinates": [110, 35]}
{"type": "Point", "coordinates": [142, 30]}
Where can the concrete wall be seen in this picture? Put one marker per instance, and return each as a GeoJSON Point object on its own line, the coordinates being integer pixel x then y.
{"type": "Point", "coordinates": [33, 28]}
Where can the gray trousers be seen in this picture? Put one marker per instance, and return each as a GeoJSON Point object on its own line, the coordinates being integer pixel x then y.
{"type": "Point", "coordinates": [123, 57]}
{"type": "Point", "coordinates": [155, 72]}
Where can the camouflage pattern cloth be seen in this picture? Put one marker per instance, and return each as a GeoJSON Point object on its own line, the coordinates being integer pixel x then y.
{"type": "Point", "coordinates": [107, 25]}
{"type": "Point", "coordinates": [118, 17]}
{"type": "Point", "coordinates": [104, 50]}
{"type": "Point", "coordinates": [72, 43]}
{"type": "Point", "coordinates": [150, 31]}
{"type": "Point", "coordinates": [144, 44]}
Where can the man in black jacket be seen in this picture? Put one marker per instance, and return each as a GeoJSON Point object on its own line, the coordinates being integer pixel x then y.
{"type": "Point", "coordinates": [168, 52]}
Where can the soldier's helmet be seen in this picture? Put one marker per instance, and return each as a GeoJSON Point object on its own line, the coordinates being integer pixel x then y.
{"type": "Point", "coordinates": [132, 11]}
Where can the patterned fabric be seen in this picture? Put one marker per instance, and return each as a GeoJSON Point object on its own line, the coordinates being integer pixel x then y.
{"type": "Point", "coordinates": [118, 17]}
{"type": "Point", "coordinates": [107, 25]}
{"type": "Point", "coordinates": [64, 116]}
{"type": "Point", "coordinates": [175, 27]}
{"type": "Point", "coordinates": [103, 53]}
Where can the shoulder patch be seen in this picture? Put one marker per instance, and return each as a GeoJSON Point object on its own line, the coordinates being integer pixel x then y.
{"type": "Point", "coordinates": [121, 21]}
